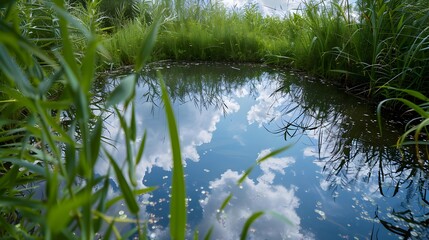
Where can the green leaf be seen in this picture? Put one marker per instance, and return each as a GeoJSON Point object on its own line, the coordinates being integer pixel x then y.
{"type": "Point", "coordinates": [95, 141]}
{"type": "Point", "coordinates": [246, 173]}
{"type": "Point", "coordinates": [178, 192]}
{"type": "Point", "coordinates": [88, 65]}
{"type": "Point", "coordinates": [209, 234]}
{"type": "Point", "coordinates": [281, 217]}
{"type": "Point", "coordinates": [196, 233]}
{"type": "Point", "coordinates": [141, 148]}
{"type": "Point", "coordinates": [59, 215]}
{"type": "Point", "coordinates": [138, 192]}
{"type": "Point", "coordinates": [259, 161]}
{"type": "Point", "coordinates": [69, 61]}
{"type": "Point", "coordinates": [6, 201]}
{"type": "Point", "coordinates": [70, 155]}
{"type": "Point", "coordinates": [249, 222]}
{"type": "Point", "coordinates": [133, 124]}
{"type": "Point", "coordinates": [148, 45]}
{"type": "Point", "coordinates": [123, 91]}
{"type": "Point", "coordinates": [225, 202]}
{"type": "Point", "coordinates": [273, 153]}
{"type": "Point", "coordinates": [129, 155]}
{"type": "Point", "coordinates": [410, 104]}
{"type": "Point", "coordinates": [124, 186]}
{"type": "Point", "coordinates": [15, 74]}
{"type": "Point", "coordinates": [410, 92]}
{"type": "Point", "coordinates": [102, 202]}
{"type": "Point", "coordinates": [28, 165]}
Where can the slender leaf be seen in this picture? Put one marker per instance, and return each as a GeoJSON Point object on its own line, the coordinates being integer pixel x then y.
{"type": "Point", "coordinates": [141, 148]}
{"type": "Point", "coordinates": [209, 234]}
{"type": "Point", "coordinates": [59, 215]}
{"type": "Point", "coordinates": [95, 141]}
{"type": "Point", "coordinates": [128, 194]}
{"type": "Point", "coordinates": [225, 202]}
{"type": "Point", "coordinates": [246, 173]}
{"type": "Point", "coordinates": [123, 91]}
{"type": "Point", "coordinates": [248, 223]}
{"type": "Point", "coordinates": [116, 199]}
{"type": "Point", "coordinates": [178, 192]}
{"type": "Point", "coordinates": [273, 153]}
{"type": "Point", "coordinates": [148, 45]}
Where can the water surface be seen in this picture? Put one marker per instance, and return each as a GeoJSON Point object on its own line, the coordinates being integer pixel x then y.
{"type": "Point", "coordinates": [340, 179]}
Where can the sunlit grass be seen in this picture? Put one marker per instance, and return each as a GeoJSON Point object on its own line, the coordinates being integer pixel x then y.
{"type": "Point", "coordinates": [51, 146]}
{"type": "Point", "coordinates": [50, 138]}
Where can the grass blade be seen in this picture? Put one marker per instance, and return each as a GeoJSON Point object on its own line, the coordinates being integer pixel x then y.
{"type": "Point", "coordinates": [148, 45]}
{"type": "Point", "coordinates": [225, 202]}
{"type": "Point", "coordinates": [209, 234]}
{"type": "Point", "coordinates": [141, 149]}
{"type": "Point", "coordinates": [116, 199]}
{"type": "Point", "coordinates": [124, 186]}
{"type": "Point", "coordinates": [273, 153]}
{"type": "Point", "coordinates": [249, 222]}
{"type": "Point", "coordinates": [59, 215]}
{"type": "Point", "coordinates": [123, 91]}
{"type": "Point", "coordinates": [178, 192]}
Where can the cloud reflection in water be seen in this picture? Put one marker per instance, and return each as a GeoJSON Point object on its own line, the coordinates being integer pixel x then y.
{"type": "Point", "coordinates": [249, 197]}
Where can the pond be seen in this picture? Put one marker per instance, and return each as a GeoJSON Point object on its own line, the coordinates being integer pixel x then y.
{"type": "Point", "coordinates": [340, 179]}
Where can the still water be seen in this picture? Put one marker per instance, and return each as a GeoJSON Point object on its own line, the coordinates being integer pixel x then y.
{"type": "Point", "coordinates": [340, 179]}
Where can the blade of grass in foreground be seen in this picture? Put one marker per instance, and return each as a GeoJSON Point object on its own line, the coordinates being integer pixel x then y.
{"type": "Point", "coordinates": [249, 222]}
{"type": "Point", "coordinates": [178, 193]}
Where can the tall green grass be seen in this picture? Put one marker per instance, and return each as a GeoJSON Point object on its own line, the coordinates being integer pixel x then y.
{"type": "Point", "coordinates": [361, 46]}
{"type": "Point", "coordinates": [416, 130]}
{"type": "Point", "coordinates": [207, 32]}
{"type": "Point", "coordinates": [50, 145]}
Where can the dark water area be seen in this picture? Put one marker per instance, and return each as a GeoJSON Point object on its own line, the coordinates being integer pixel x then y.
{"type": "Point", "coordinates": [340, 179]}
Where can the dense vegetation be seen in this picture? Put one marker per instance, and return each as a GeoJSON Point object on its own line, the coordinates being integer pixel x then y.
{"type": "Point", "coordinates": [51, 52]}
{"type": "Point", "coordinates": [371, 44]}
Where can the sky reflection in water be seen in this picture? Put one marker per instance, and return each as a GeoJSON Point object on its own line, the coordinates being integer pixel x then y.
{"type": "Point", "coordinates": [228, 117]}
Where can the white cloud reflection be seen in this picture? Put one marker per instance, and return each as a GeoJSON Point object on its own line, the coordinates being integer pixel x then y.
{"type": "Point", "coordinates": [250, 197]}
{"type": "Point", "coordinates": [272, 165]}
{"type": "Point", "coordinates": [195, 129]}
{"type": "Point", "coordinates": [266, 108]}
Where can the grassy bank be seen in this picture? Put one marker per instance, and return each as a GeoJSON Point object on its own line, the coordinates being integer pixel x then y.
{"type": "Point", "coordinates": [361, 47]}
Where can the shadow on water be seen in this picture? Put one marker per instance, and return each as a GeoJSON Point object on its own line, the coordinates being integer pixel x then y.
{"type": "Point", "coordinates": [352, 149]}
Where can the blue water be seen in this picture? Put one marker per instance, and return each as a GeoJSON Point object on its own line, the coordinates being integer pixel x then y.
{"type": "Point", "coordinates": [327, 185]}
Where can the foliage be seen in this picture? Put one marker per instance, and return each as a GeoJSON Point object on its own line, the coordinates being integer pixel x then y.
{"type": "Point", "coordinates": [416, 130]}
{"type": "Point", "coordinates": [49, 147]}
{"type": "Point", "coordinates": [361, 47]}
{"type": "Point", "coordinates": [51, 131]}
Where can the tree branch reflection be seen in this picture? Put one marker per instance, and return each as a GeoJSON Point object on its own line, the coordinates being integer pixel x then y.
{"type": "Point", "coordinates": [352, 149]}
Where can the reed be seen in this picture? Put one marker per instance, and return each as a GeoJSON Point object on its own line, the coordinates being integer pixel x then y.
{"type": "Point", "coordinates": [53, 146]}
{"type": "Point", "coordinates": [50, 146]}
